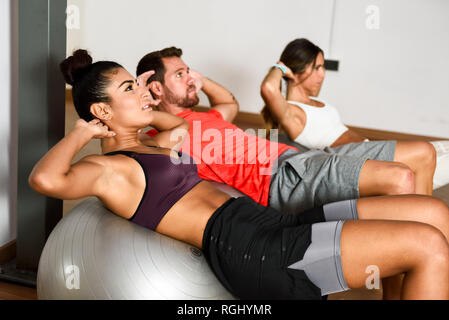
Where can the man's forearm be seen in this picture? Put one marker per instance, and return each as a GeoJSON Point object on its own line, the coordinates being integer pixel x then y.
{"type": "Point", "coordinates": [164, 121]}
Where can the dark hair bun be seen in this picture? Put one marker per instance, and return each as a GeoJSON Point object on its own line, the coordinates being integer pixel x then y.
{"type": "Point", "coordinates": [72, 68]}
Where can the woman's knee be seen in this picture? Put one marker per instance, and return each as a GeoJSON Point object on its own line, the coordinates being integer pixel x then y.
{"type": "Point", "coordinates": [439, 212]}
{"type": "Point", "coordinates": [422, 245]}
{"type": "Point", "coordinates": [419, 155]}
{"type": "Point", "coordinates": [427, 155]}
{"type": "Point", "coordinates": [433, 244]}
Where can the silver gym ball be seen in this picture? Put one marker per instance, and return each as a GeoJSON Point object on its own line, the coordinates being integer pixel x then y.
{"type": "Point", "coordinates": [94, 254]}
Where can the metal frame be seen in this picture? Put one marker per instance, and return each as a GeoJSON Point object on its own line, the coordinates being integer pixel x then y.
{"type": "Point", "coordinates": [41, 31]}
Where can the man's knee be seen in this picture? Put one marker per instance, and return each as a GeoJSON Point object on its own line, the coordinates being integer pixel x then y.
{"type": "Point", "coordinates": [390, 178]}
{"type": "Point", "coordinates": [402, 180]}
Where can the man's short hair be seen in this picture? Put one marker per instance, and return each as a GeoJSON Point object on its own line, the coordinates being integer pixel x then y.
{"type": "Point", "coordinates": [153, 61]}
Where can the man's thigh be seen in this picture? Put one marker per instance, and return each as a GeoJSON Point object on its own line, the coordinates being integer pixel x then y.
{"type": "Point", "coordinates": [374, 150]}
{"type": "Point", "coordinates": [314, 178]}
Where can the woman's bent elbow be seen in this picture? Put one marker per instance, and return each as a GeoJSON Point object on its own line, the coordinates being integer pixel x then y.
{"type": "Point", "coordinates": [40, 183]}
{"type": "Point", "coordinates": [266, 90]}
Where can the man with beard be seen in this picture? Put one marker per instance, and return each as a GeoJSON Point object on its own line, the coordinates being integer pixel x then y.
{"type": "Point", "coordinates": [271, 173]}
{"type": "Point", "coordinates": [181, 85]}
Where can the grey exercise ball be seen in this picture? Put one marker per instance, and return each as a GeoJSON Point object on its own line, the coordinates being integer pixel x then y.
{"type": "Point", "coordinates": [94, 254]}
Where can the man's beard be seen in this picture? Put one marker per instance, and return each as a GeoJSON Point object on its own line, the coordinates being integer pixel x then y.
{"type": "Point", "coordinates": [184, 102]}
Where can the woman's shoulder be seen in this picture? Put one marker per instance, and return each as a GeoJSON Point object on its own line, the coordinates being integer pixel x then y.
{"type": "Point", "coordinates": [107, 165]}
{"type": "Point", "coordinates": [105, 160]}
{"type": "Point", "coordinates": [95, 159]}
{"type": "Point", "coordinates": [296, 108]}
{"type": "Point", "coordinates": [315, 103]}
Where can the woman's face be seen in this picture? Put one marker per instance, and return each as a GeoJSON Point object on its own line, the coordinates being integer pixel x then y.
{"type": "Point", "coordinates": [312, 78]}
{"type": "Point", "coordinates": [130, 103]}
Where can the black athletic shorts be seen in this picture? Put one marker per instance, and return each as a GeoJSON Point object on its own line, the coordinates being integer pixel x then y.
{"type": "Point", "coordinates": [249, 248]}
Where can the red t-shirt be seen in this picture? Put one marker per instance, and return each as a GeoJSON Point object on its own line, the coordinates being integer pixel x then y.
{"type": "Point", "coordinates": [225, 153]}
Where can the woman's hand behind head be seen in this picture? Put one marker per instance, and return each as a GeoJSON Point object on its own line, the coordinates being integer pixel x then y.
{"type": "Point", "coordinates": [288, 74]}
{"type": "Point", "coordinates": [95, 127]}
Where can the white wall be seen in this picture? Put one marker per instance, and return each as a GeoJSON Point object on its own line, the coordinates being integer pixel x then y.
{"type": "Point", "coordinates": [397, 77]}
{"type": "Point", "coordinates": [8, 142]}
{"type": "Point", "coordinates": [392, 78]}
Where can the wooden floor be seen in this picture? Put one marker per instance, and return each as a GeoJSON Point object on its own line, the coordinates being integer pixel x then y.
{"type": "Point", "coordinates": [10, 291]}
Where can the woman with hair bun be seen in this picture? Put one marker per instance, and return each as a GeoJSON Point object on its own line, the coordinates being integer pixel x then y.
{"type": "Point", "coordinates": [256, 252]}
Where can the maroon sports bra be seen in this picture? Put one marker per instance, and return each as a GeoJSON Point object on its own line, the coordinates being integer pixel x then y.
{"type": "Point", "coordinates": [167, 180]}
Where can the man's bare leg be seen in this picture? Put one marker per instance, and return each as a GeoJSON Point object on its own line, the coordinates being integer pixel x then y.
{"type": "Point", "coordinates": [385, 178]}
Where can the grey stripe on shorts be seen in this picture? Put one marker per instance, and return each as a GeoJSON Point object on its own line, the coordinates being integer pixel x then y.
{"type": "Point", "coordinates": [341, 210]}
{"type": "Point", "coordinates": [322, 259]}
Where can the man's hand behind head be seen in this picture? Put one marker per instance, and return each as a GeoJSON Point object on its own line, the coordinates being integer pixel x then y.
{"type": "Point", "coordinates": [197, 80]}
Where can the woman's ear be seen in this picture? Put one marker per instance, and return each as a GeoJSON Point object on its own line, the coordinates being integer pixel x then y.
{"type": "Point", "coordinates": [101, 111]}
{"type": "Point", "coordinates": [156, 89]}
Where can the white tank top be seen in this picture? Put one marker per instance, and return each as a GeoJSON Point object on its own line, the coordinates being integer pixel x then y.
{"type": "Point", "coordinates": [323, 126]}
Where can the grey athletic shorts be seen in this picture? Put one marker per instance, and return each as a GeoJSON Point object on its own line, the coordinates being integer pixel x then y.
{"type": "Point", "coordinates": [322, 259]}
{"type": "Point", "coordinates": [301, 181]}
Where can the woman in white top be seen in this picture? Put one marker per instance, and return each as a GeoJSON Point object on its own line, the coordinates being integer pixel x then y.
{"type": "Point", "coordinates": [316, 124]}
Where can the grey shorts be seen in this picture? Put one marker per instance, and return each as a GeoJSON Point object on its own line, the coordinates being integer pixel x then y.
{"type": "Point", "coordinates": [301, 181]}
{"type": "Point", "coordinates": [322, 259]}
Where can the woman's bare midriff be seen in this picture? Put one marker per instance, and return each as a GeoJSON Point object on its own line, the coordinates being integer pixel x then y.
{"type": "Point", "coordinates": [188, 218]}
{"type": "Point", "coordinates": [348, 136]}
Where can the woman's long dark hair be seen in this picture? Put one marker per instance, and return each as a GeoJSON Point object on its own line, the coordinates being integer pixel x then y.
{"type": "Point", "coordinates": [297, 55]}
{"type": "Point", "coordinates": [88, 80]}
